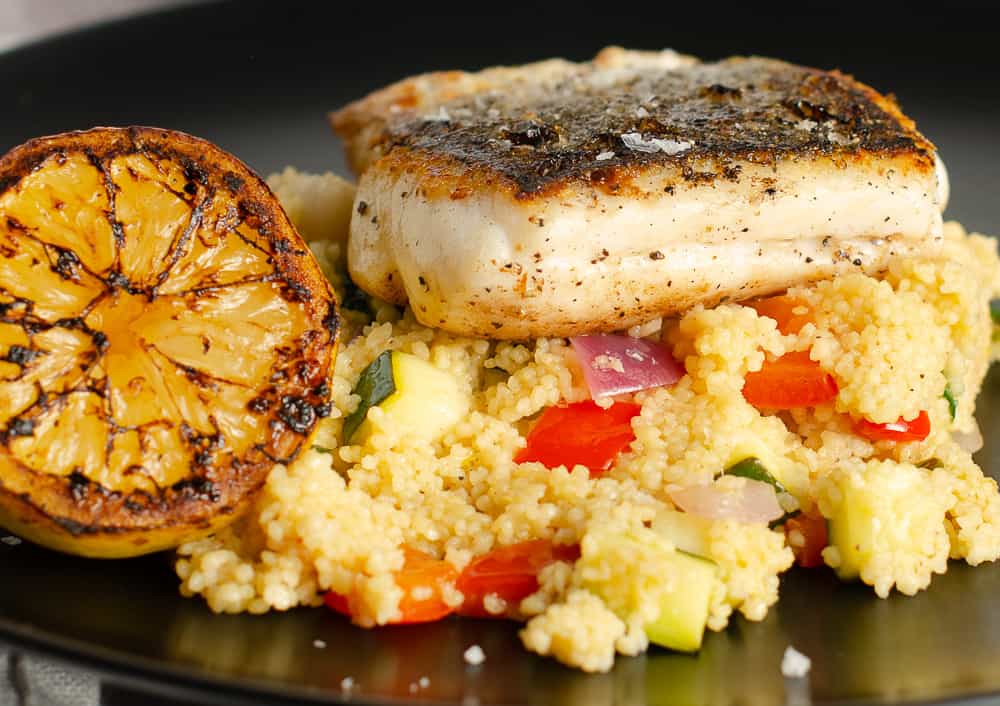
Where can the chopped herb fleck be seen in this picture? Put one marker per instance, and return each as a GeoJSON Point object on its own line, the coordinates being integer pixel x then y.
{"type": "Point", "coordinates": [374, 385]}
{"type": "Point", "coordinates": [753, 469]}
{"type": "Point", "coordinates": [952, 402]}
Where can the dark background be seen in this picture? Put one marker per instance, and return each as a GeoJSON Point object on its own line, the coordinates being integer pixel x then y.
{"type": "Point", "coordinates": [261, 86]}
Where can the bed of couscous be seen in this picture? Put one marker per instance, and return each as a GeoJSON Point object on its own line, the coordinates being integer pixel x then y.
{"type": "Point", "coordinates": [893, 502]}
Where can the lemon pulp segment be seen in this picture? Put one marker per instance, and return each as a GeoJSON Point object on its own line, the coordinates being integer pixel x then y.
{"type": "Point", "coordinates": [165, 338]}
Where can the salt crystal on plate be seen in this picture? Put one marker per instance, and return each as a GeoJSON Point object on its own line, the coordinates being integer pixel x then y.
{"type": "Point", "coordinates": [794, 664]}
{"type": "Point", "coordinates": [474, 655]}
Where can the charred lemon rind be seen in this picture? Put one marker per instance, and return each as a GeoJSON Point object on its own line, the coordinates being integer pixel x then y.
{"type": "Point", "coordinates": [182, 317]}
{"type": "Point", "coordinates": [100, 541]}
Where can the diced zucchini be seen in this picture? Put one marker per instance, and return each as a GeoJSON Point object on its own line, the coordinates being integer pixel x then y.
{"type": "Point", "coordinates": [878, 512]}
{"type": "Point", "coordinates": [687, 532]}
{"type": "Point", "coordinates": [426, 401]}
{"type": "Point", "coordinates": [851, 531]}
{"type": "Point", "coordinates": [684, 609]}
{"type": "Point", "coordinates": [627, 568]}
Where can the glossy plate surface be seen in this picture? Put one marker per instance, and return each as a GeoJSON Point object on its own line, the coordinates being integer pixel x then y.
{"type": "Point", "coordinates": [258, 81]}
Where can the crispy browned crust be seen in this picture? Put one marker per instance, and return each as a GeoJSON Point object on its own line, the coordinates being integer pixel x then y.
{"type": "Point", "coordinates": [67, 509]}
{"type": "Point", "coordinates": [534, 138]}
{"type": "Point", "coordinates": [361, 123]}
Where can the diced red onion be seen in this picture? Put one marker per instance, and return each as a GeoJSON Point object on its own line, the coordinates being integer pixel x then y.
{"type": "Point", "coordinates": [753, 502]}
{"type": "Point", "coordinates": [616, 364]}
{"type": "Point", "coordinates": [970, 441]}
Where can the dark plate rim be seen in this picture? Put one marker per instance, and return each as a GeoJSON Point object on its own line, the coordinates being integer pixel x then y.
{"type": "Point", "coordinates": [177, 680]}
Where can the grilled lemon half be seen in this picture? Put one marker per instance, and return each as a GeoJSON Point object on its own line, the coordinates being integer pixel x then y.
{"type": "Point", "coordinates": [166, 337]}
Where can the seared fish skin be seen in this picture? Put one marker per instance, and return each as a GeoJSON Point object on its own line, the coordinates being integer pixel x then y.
{"type": "Point", "coordinates": [566, 198]}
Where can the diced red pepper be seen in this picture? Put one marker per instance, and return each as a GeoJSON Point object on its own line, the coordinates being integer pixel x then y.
{"type": "Point", "coordinates": [580, 433]}
{"type": "Point", "coordinates": [510, 572]}
{"type": "Point", "coordinates": [791, 381]}
{"type": "Point", "coordinates": [814, 533]}
{"type": "Point", "coordinates": [916, 429]}
{"type": "Point", "coordinates": [782, 308]}
{"type": "Point", "coordinates": [338, 602]}
{"type": "Point", "coordinates": [420, 571]}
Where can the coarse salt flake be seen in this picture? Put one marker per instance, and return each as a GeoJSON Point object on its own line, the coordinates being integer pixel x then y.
{"type": "Point", "coordinates": [605, 155]}
{"type": "Point", "coordinates": [319, 644]}
{"type": "Point", "coordinates": [441, 116]}
{"type": "Point", "coordinates": [837, 138]}
{"type": "Point", "coordinates": [347, 684]}
{"type": "Point", "coordinates": [10, 540]}
{"type": "Point", "coordinates": [636, 142]}
{"type": "Point", "coordinates": [794, 664]}
{"type": "Point", "coordinates": [474, 655]}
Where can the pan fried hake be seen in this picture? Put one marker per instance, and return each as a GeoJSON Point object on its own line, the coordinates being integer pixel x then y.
{"type": "Point", "coordinates": [559, 198]}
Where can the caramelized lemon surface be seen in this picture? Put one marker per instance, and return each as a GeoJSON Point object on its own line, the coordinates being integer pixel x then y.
{"type": "Point", "coordinates": [165, 338]}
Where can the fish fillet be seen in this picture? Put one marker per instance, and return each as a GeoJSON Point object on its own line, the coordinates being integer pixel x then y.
{"type": "Point", "coordinates": [559, 198]}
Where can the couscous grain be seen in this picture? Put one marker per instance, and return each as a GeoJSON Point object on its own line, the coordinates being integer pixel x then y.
{"type": "Point", "coordinates": [337, 519]}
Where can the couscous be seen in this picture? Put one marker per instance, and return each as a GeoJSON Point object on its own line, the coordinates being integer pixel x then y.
{"type": "Point", "coordinates": [875, 479]}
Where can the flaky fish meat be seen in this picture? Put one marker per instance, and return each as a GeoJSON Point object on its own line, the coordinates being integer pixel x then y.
{"type": "Point", "coordinates": [559, 198]}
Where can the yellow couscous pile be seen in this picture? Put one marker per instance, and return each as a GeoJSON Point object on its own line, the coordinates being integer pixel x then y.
{"type": "Point", "coordinates": [338, 517]}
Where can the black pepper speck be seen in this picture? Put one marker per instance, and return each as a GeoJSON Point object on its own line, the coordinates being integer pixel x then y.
{"type": "Point", "coordinates": [297, 413]}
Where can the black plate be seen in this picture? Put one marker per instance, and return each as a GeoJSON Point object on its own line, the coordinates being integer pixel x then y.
{"type": "Point", "coordinates": [258, 81]}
